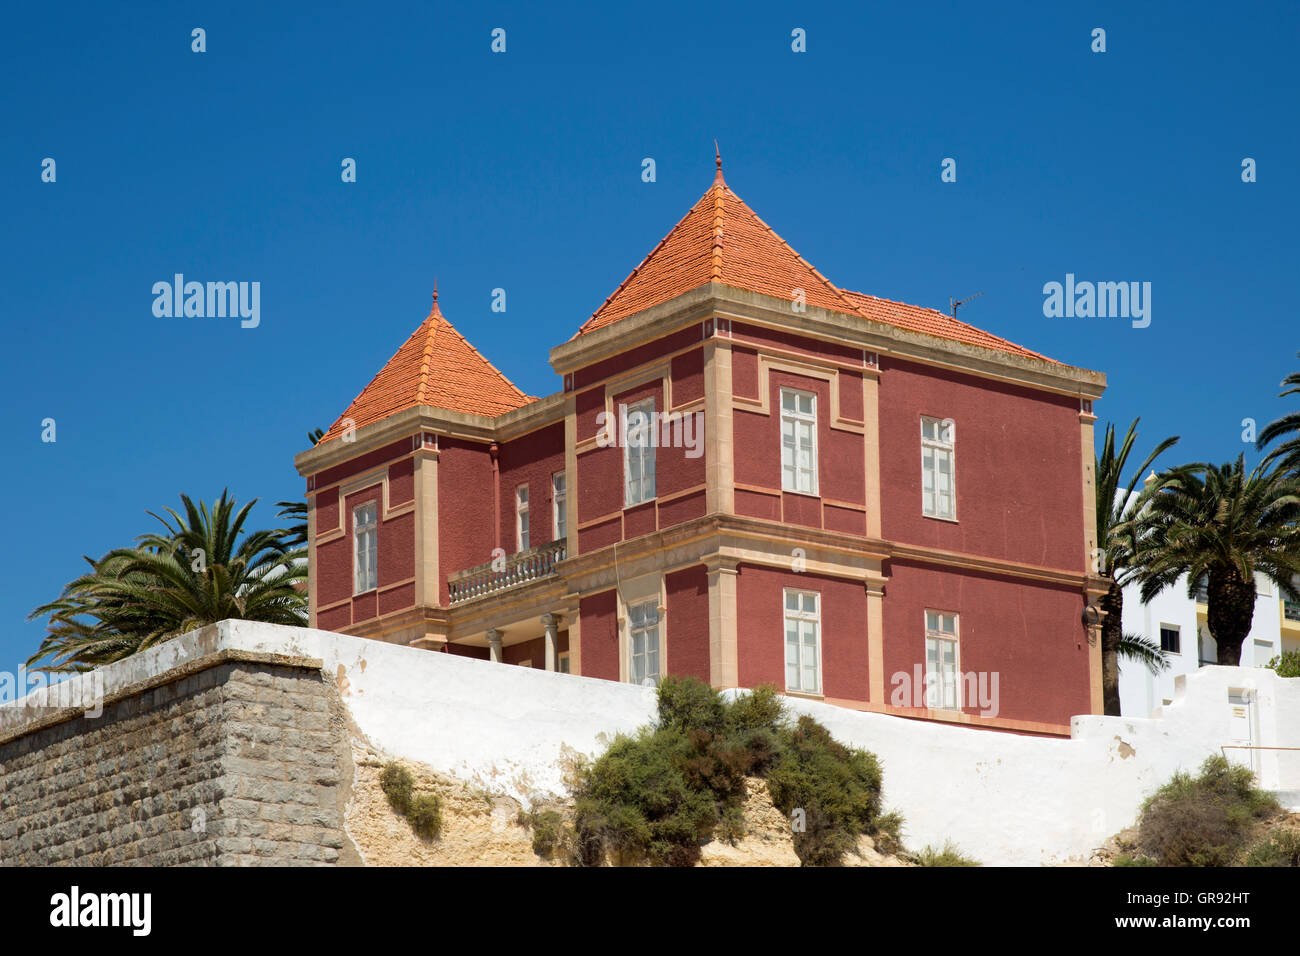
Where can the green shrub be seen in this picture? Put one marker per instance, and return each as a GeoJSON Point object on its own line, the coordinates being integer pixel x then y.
{"type": "Point", "coordinates": [752, 723]}
{"type": "Point", "coordinates": [1204, 820]}
{"type": "Point", "coordinates": [548, 831]}
{"type": "Point", "coordinates": [397, 783]}
{"type": "Point", "coordinates": [836, 787]}
{"type": "Point", "coordinates": [687, 704]}
{"type": "Point", "coordinates": [1281, 849]}
{"type": "Point", "coordinates": [660, 795]}
{"type": "Point", "coordinates": [1126, 859]}
{"type": "Point", "coordinates": [948, 856]}
{"type": "Point", "coordinates": [425, 815]}
{"type": "Point", "coordinates": [423, 811]}
{"type": "Point", "coordinates": [889, 833]}
{"type": "Point", "coordinates": [636, 802]}
{"type": "Point", "coordinates": [1287, 664]}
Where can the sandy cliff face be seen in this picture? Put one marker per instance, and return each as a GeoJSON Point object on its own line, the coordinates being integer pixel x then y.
{"type": "Point", "coordinates": [481, 829]}
{"type": "Point", "coordinates": [478, 829]}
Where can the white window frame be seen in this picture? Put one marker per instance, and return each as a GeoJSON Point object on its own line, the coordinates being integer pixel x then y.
{"type": "Point", "coordinates": [799, 617]}
{"type": "Point", "coordinates": [935, 689]}
{"type": "Point", "coordinates": [365, 547]}
{"type": "Point", "coordinates": [644, 629]}
{"type": "Point", "coordinates": [794, 477]}
{"type": "Point", "coordinates": [639, 490]}
{"type": "Point", "coordinates": [939, 446]}
{"type": "Point", "coordinates": [1177, 629]}
{"type": "Point", "coordinates": [523, 525]}
{"type": "Point", "coordinates": [559, 505]}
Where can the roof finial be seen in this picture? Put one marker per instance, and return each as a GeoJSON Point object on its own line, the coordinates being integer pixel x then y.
{"type": "Point", "coordinates": [434, 310]}
{"type": "Point", "coordinates": [717, 154]}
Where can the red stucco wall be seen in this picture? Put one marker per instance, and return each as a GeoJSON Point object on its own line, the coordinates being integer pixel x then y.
{"type": "Point", "coordinates": [1018, 466]}
{"type": "Point", "coordinates": [760, 596]}
{"type": "Point", "coordinates": [840, 457]}
{"type": "Point", "coordinates": [688, 622]}
{"type": "Point", "coordinates": [600, 483]}
{"type": "Point", "coordinates": [333, 560]}
{"type": "Point", "coordinates": [599, 635]}
{"type": "Point", "coordinates": [530, 459]}
{"type": "Point", "coordinates": [1030, 634]}
{"type": "Point", "coordinates": [465, 536]}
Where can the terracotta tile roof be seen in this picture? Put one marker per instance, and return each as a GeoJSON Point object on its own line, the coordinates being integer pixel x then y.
{"type": "Point", "coordinates": [722, 240]}
{"type": "Point", "coordinates": [434, 367]}
{"type": "Point", "coordinates": [719, 240]}
{"type": "Point", "coordinates": [914, 318]}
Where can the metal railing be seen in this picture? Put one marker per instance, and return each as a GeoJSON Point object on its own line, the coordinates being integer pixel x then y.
{"type": "Point", "coordinates": [1291, 610]}
{"type": "Point", "coordinates": [514, 571]}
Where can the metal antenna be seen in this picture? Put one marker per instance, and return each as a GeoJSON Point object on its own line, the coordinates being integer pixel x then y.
{"type": "Point", "coordinates": [954, 304]}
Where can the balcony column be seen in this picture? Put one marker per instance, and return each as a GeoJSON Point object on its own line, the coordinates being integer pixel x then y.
{"type": "Point", "coordinates": [552, 624]}
{"type": "Point", "coordinates": [494, 645]}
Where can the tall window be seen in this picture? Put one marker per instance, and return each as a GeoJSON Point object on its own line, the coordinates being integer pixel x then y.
{"type": "Point", "coordinates": [521, 518]}
{"type": "Point", "coordinates": [802, 641]}
{"type": "Point", "coordinates": [1171, 639]}
{"type": "Point", "coordinates": [639, 451]}
{"type": "Point", "coordinates": [559, 506]}
{"type": "Point", "coordinates": [365, 548]}
{"type": "Point", "coordinates": [938, 495]}
{"type": "Point", "coordinates": [643, 631]}
{"type": "Point", "coordinates": [942, 678]}
{"type": "Point", "coordinates": [798, 441]}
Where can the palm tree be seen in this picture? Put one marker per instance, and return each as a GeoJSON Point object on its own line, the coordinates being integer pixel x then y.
{"type": "Point", "coordinates": [196, 572]}
{"type": "Point", "coordinates": [1116, 506]}
{"type": "Point", "coordinates": [296, 511]}
{"type": "Point", "coordinates": [1220, 524]}
{"type": "Point", "coordinates": [1287, 454]}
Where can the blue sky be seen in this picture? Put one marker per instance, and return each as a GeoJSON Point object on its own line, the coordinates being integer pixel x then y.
{"type": "Point", "coordinates": [522, 171]}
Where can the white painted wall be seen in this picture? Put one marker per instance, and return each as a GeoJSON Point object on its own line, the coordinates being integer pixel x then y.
{"type": "Point", "coordinates": [1141, 692]}
{"type": "Point", "coordinates": [1002, 798]}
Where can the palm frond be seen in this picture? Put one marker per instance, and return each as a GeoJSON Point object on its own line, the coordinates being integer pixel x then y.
{"type": "Point", "coordinates": [1142, 650]}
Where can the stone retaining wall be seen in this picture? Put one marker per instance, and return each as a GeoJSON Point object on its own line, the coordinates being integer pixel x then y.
{"type": "Point", "coordinates": [239, 762]}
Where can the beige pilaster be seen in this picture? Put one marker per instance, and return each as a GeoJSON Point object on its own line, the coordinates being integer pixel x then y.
{"type": "Point", "coordinates": [1088, 449]}
{"type": "Point", "coordinates": [571, 479]}
{"type": "Point", "coordinates": [311, 561]}
{"type": "Point", "coordinates": [575, 628]}
{"type": "Point", "coordinates": [876, 640]}
{"type": "Point", "coordinates": [571, 528]}
{"type": "Point", "coordinates": [551, 641]}
{"type": "Point", "coordinates": [427, 590]}
{"type": "Point", "coordinates": [719, 463]}
{"type": "Point", "coordinates": [724, 655]}
{"type": "Point", "coordinates": [871, 450]}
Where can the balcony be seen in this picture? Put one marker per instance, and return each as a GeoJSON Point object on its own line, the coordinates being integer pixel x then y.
{"type": "Point", "coordinates": [520, 568]}
{"type": "Point", "coordinates": [1290, 612]}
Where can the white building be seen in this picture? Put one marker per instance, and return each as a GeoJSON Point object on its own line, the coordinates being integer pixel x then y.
{"type": "Point", "coordinates": [1178, 624]}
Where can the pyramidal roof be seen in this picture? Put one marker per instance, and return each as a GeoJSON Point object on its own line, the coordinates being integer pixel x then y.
{"type": "Point", "coordinates": [719, 240]}
{"type": "Point", "coordinates": [436, 367]}
{"type": "Point", "coordinates": [722, 240]}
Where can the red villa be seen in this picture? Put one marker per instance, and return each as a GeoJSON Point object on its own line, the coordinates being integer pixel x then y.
{"type": "Point", "coordinates": [750, 475]}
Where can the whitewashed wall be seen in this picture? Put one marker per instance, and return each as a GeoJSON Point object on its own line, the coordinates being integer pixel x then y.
{"type": "Point", "coordinates": [1002, 798]}
{"type": "Point", "coordinates": [1140, 691]}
